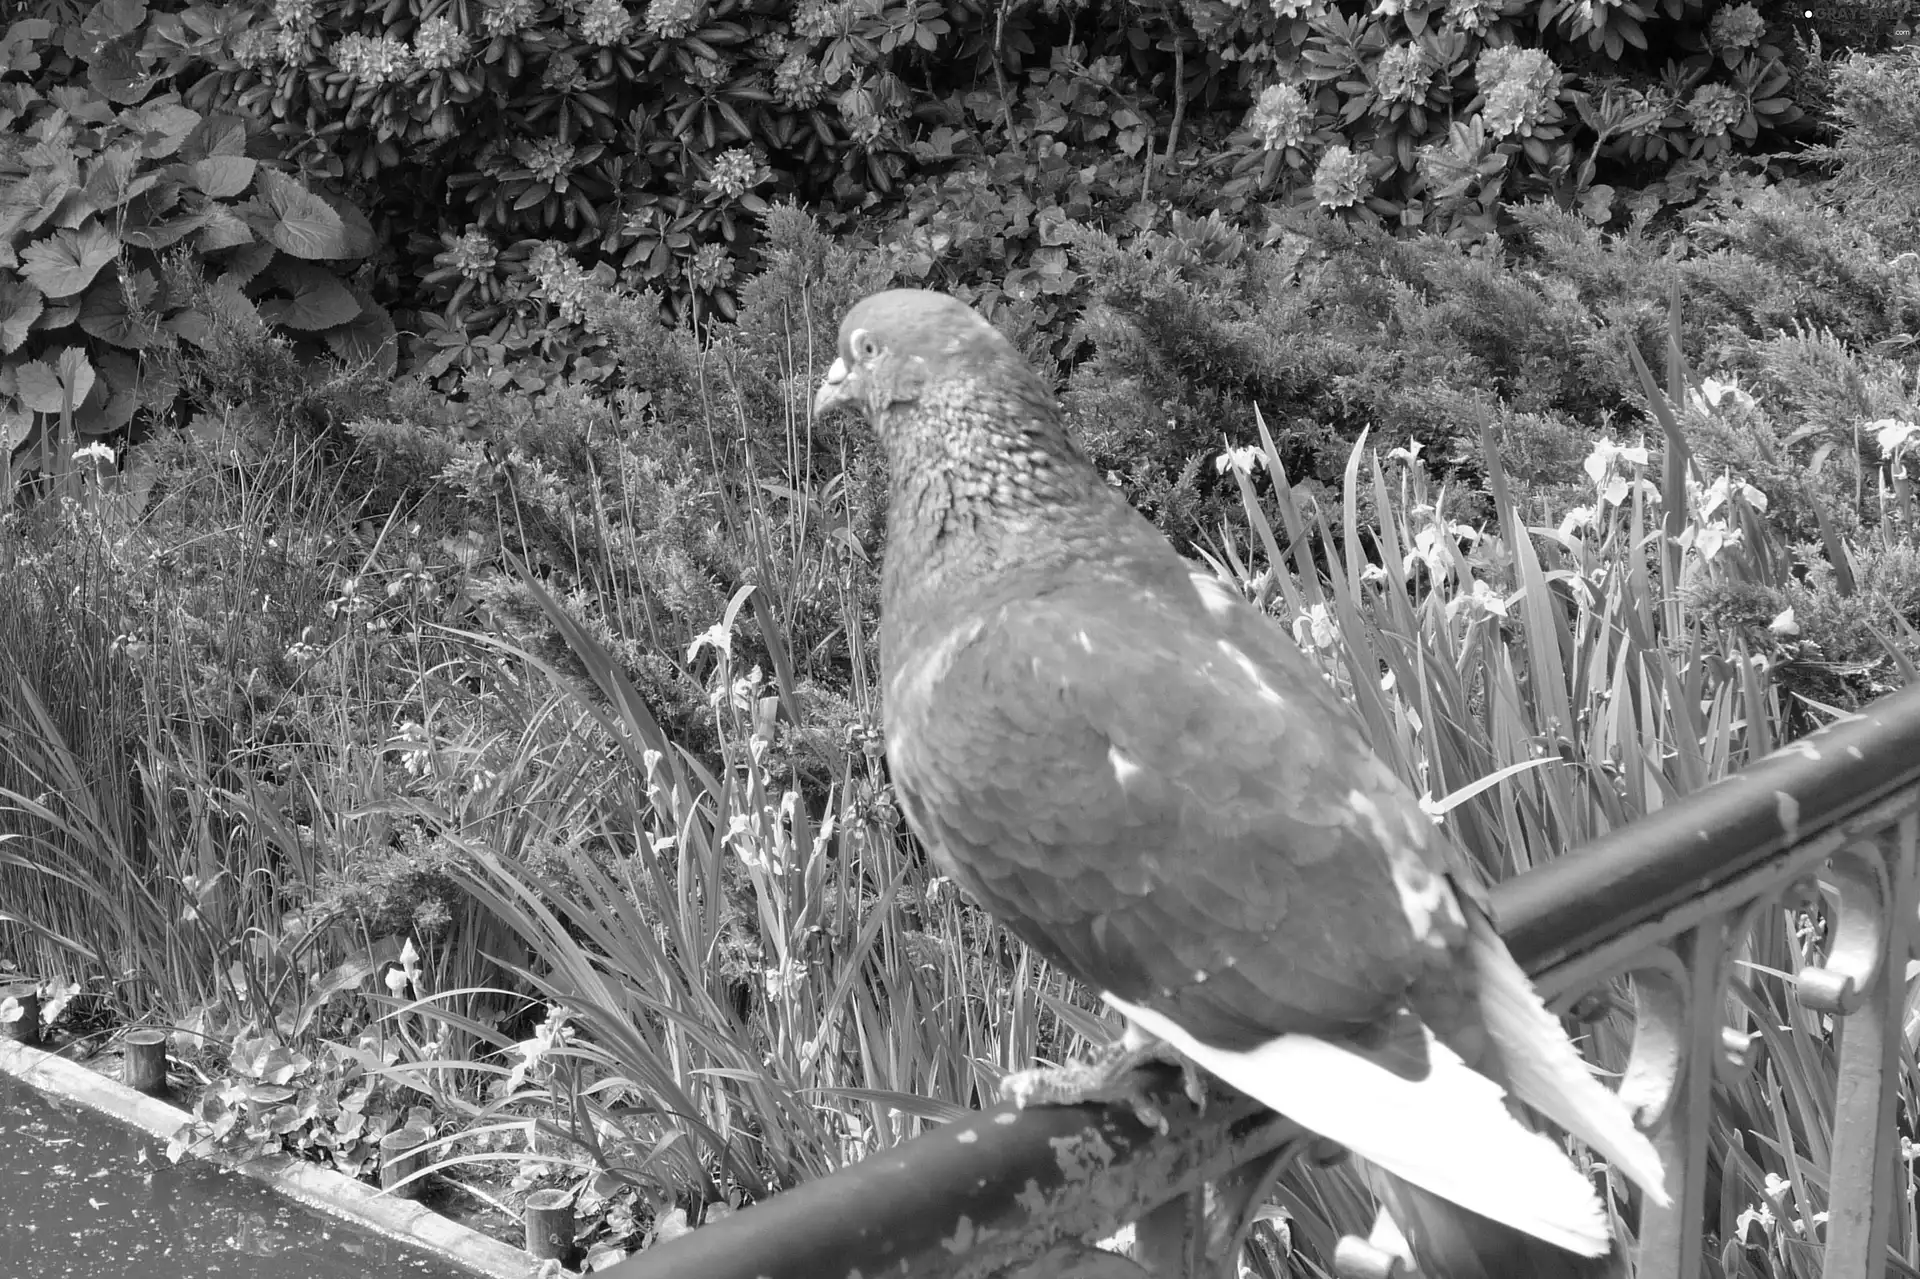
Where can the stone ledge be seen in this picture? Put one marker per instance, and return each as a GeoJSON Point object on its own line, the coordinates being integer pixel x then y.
{"type": "Point", "coordinates": [329, 1192]}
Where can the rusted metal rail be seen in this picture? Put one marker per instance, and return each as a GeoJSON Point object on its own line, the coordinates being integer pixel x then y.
{"type": "Point", "coordinates": [1667, 901]}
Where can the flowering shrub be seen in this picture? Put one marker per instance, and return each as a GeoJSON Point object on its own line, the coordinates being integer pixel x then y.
{"type": "Point", "coordinates": [650, 138]}
{"type": "Point", "coordinates": [139, 224]}
{"type": "Point", "coordinates": [1456, 113]}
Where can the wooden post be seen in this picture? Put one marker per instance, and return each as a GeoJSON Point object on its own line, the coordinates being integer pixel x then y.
{"type": "Point", "coordinates": [26, 1027]}
{"type": "Point", "coordinates": [400, 1158]}
{"type": "Point", "coordinates": [143, 1064]}
{"type": "Point", "coordinates": [550, 1225]}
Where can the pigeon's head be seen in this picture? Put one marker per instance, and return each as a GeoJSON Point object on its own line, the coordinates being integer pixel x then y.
{"type": "Point", "coordinates": [894, 345]}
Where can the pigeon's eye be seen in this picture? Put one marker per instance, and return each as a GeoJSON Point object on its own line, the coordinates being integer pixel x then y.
{"type": "Point", "coordinates": [863, 345]}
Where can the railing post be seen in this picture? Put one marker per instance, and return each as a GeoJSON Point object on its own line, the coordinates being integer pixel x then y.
{"type": "Point", "coordinates": [1670, 1238]}
{"type": "Point", "coordinates": [1860, 1197]}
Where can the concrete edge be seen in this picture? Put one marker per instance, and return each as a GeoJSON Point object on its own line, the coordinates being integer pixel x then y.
{"type": "Point", "coordinates": [330, 1192]}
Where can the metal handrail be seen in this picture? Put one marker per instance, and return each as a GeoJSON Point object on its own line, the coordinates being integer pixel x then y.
{"type": "Point", "coordinates": [1665, 898]}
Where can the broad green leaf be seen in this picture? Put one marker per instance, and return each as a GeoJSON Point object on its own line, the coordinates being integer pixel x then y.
{"type": "Point", "coordinates": [371, 337]}
{"type": "Point", "coordinates": [224, 229]}
{"type": "Point", "coordinates": [51, 388]}
{"type": "Point", "coordinates": [112, 179]}
{"type": "Point", "coordinates": [162, 125]}
{"type": "Point", "coordinates": [65, 262]}
{"type": "Point", "coordinates": [217, 135]}
{"type": "Point", "coordinates": [58, 315]}
{"type": "Point", "coordinates": [82, 104]}
{"type": "Point", "coordinates": [76, 372]}
{"type": "Point", "coordinates": [191, 326]}
{"type": "Point", "coordinates": [302, 223]}
{"type": "Point", "coordinates": [250, 261]}
{"type": "Point", "coordinates": [151, 206]}
{"type": "Point", "coordinates": [111, 19]}
{"type": "Point", "coordinates": [232, 305]}
{"type": "Point", "coordinates": [222, 176]}
{"type": "Point", "coordinates": [17, 47]}
{"type": "Point", "coordinates": [114, 398]}
{"type": "Point", "coordinates": [20, 306]}
{"type": "Point", "coordinates": [115, 72]}
{"type": "Point", "coordinates": [104, 314]}
{"type": "Point", "coordinates": [34, 198]}
{"type": "Point", "coordinates": [161, 234]}
{"type": "Point", "coordinates": [319, 300]}
{"type": "Point", "coordinates": [15, 426]}
{"type": "Point", "coordinates": [360, 238]}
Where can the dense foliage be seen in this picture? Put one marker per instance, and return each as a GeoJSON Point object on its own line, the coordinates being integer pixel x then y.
{"type": "Point", "coordinates": [132, 224]}
{"type": "Point", "coordinates": [492, 749]}
{"type": "Point", "coordinates": [511, 150]}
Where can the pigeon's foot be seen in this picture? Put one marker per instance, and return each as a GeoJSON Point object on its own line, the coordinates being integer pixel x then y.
{"type": "Point", "coordinates": [1111, 1077]}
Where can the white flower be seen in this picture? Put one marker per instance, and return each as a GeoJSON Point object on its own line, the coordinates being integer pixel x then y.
{"type": "Point", "coordinates": [1281, 117]}
{"type": "Point", "coordinates": [94, 452]}
{"type": "Point", "coordinates": [1241, 461]}
{"type": "Point", "coordinates": [1894, 436]}
{"type": "Point", "coordinates": [1314, 628]}
{"type": "Point", "coordinates": [605, 22]}
{"type": "Point", "coordinates": [1603, 468]}
{"type": "Point", "coordinates": [1709, 539]}
{"type": "Point", "coordinates": [1432, 546]}
{"type": "Point", "coordinates": [1738, 27]}
{"type": "Point", "coordinates": [1408, 454]}
{"type": "Point", "coordinates": [1715, 495]}
{"type": "Point", "coordinates": [785, 979]}
{"type": "Point", "coordinates": [1713, 392]}
{"type": "Point", "coordinates": [1481, 601]}
{"type": "Point", "coordinates": [1341, 180]}
{"type": "Point", "coordinates": [1758, 1213]}
{"type": "Point", "coordinates": [1577, 520]}
{"type": "Point", "coordinates": [719, 636]}
{"type": "Point", "coordinates": [1784, 624]}
{"type": "Point", "coordinates": [439, 44]}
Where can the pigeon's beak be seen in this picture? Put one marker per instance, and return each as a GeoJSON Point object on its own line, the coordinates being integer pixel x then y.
{"type": "Point", "coordinates": [835, 390]}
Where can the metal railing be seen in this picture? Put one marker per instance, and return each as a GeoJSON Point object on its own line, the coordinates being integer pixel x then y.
{"type": "Point", "coordinates": [1669, 901]}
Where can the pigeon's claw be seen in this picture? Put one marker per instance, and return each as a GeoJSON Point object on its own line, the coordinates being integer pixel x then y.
{"type": "Point", "coordinates": [1114, 1076]}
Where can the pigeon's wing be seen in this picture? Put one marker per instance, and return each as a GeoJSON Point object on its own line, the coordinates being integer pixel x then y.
{"type": "Point", "coordinates": [1151, 784]}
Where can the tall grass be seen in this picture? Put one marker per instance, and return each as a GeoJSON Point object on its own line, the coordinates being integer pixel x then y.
{"type": "Point", "coordinates": [237, 748]}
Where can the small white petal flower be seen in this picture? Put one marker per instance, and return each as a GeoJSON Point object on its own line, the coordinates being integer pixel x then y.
{"type": "Point", "coordinates": [1241, 461]}
{"type": "Point", "coordinates": [1892, 434]}
{"type": "Point", "coordinates": [1314, 628]}
{"type": "Point", "coordinates": [1481, 601]}
{"type": "Point", "coordinates": [1783, 623]}
{"type": "Point", "coordinates": [1714, 391]}
{"type": "Point", "coordinates": [1579, 519]}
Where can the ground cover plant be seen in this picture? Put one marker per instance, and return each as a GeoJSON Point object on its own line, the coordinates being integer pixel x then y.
{"type": "Point", "coordinates": [507, 766]}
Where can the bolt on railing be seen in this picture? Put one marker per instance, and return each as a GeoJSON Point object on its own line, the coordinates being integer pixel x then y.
{"type": "Point", "coordinates": [1668, 902]}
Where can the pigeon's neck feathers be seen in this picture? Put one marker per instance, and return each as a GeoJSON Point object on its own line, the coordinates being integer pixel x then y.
{"type": "Point", "coordinates": [990, 498]}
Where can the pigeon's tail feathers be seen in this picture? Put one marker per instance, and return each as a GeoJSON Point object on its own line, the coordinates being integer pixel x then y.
{"type": "Point", "coordinates": [1450, 1133]}
{"type": "Point", "coordinates": [1442, 1240]}
{"type": "Point", "coordinates": [1543, 1068]}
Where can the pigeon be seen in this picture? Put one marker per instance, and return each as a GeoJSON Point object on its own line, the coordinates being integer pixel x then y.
{"type": "Point", "coordinates": [1143, 777]}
